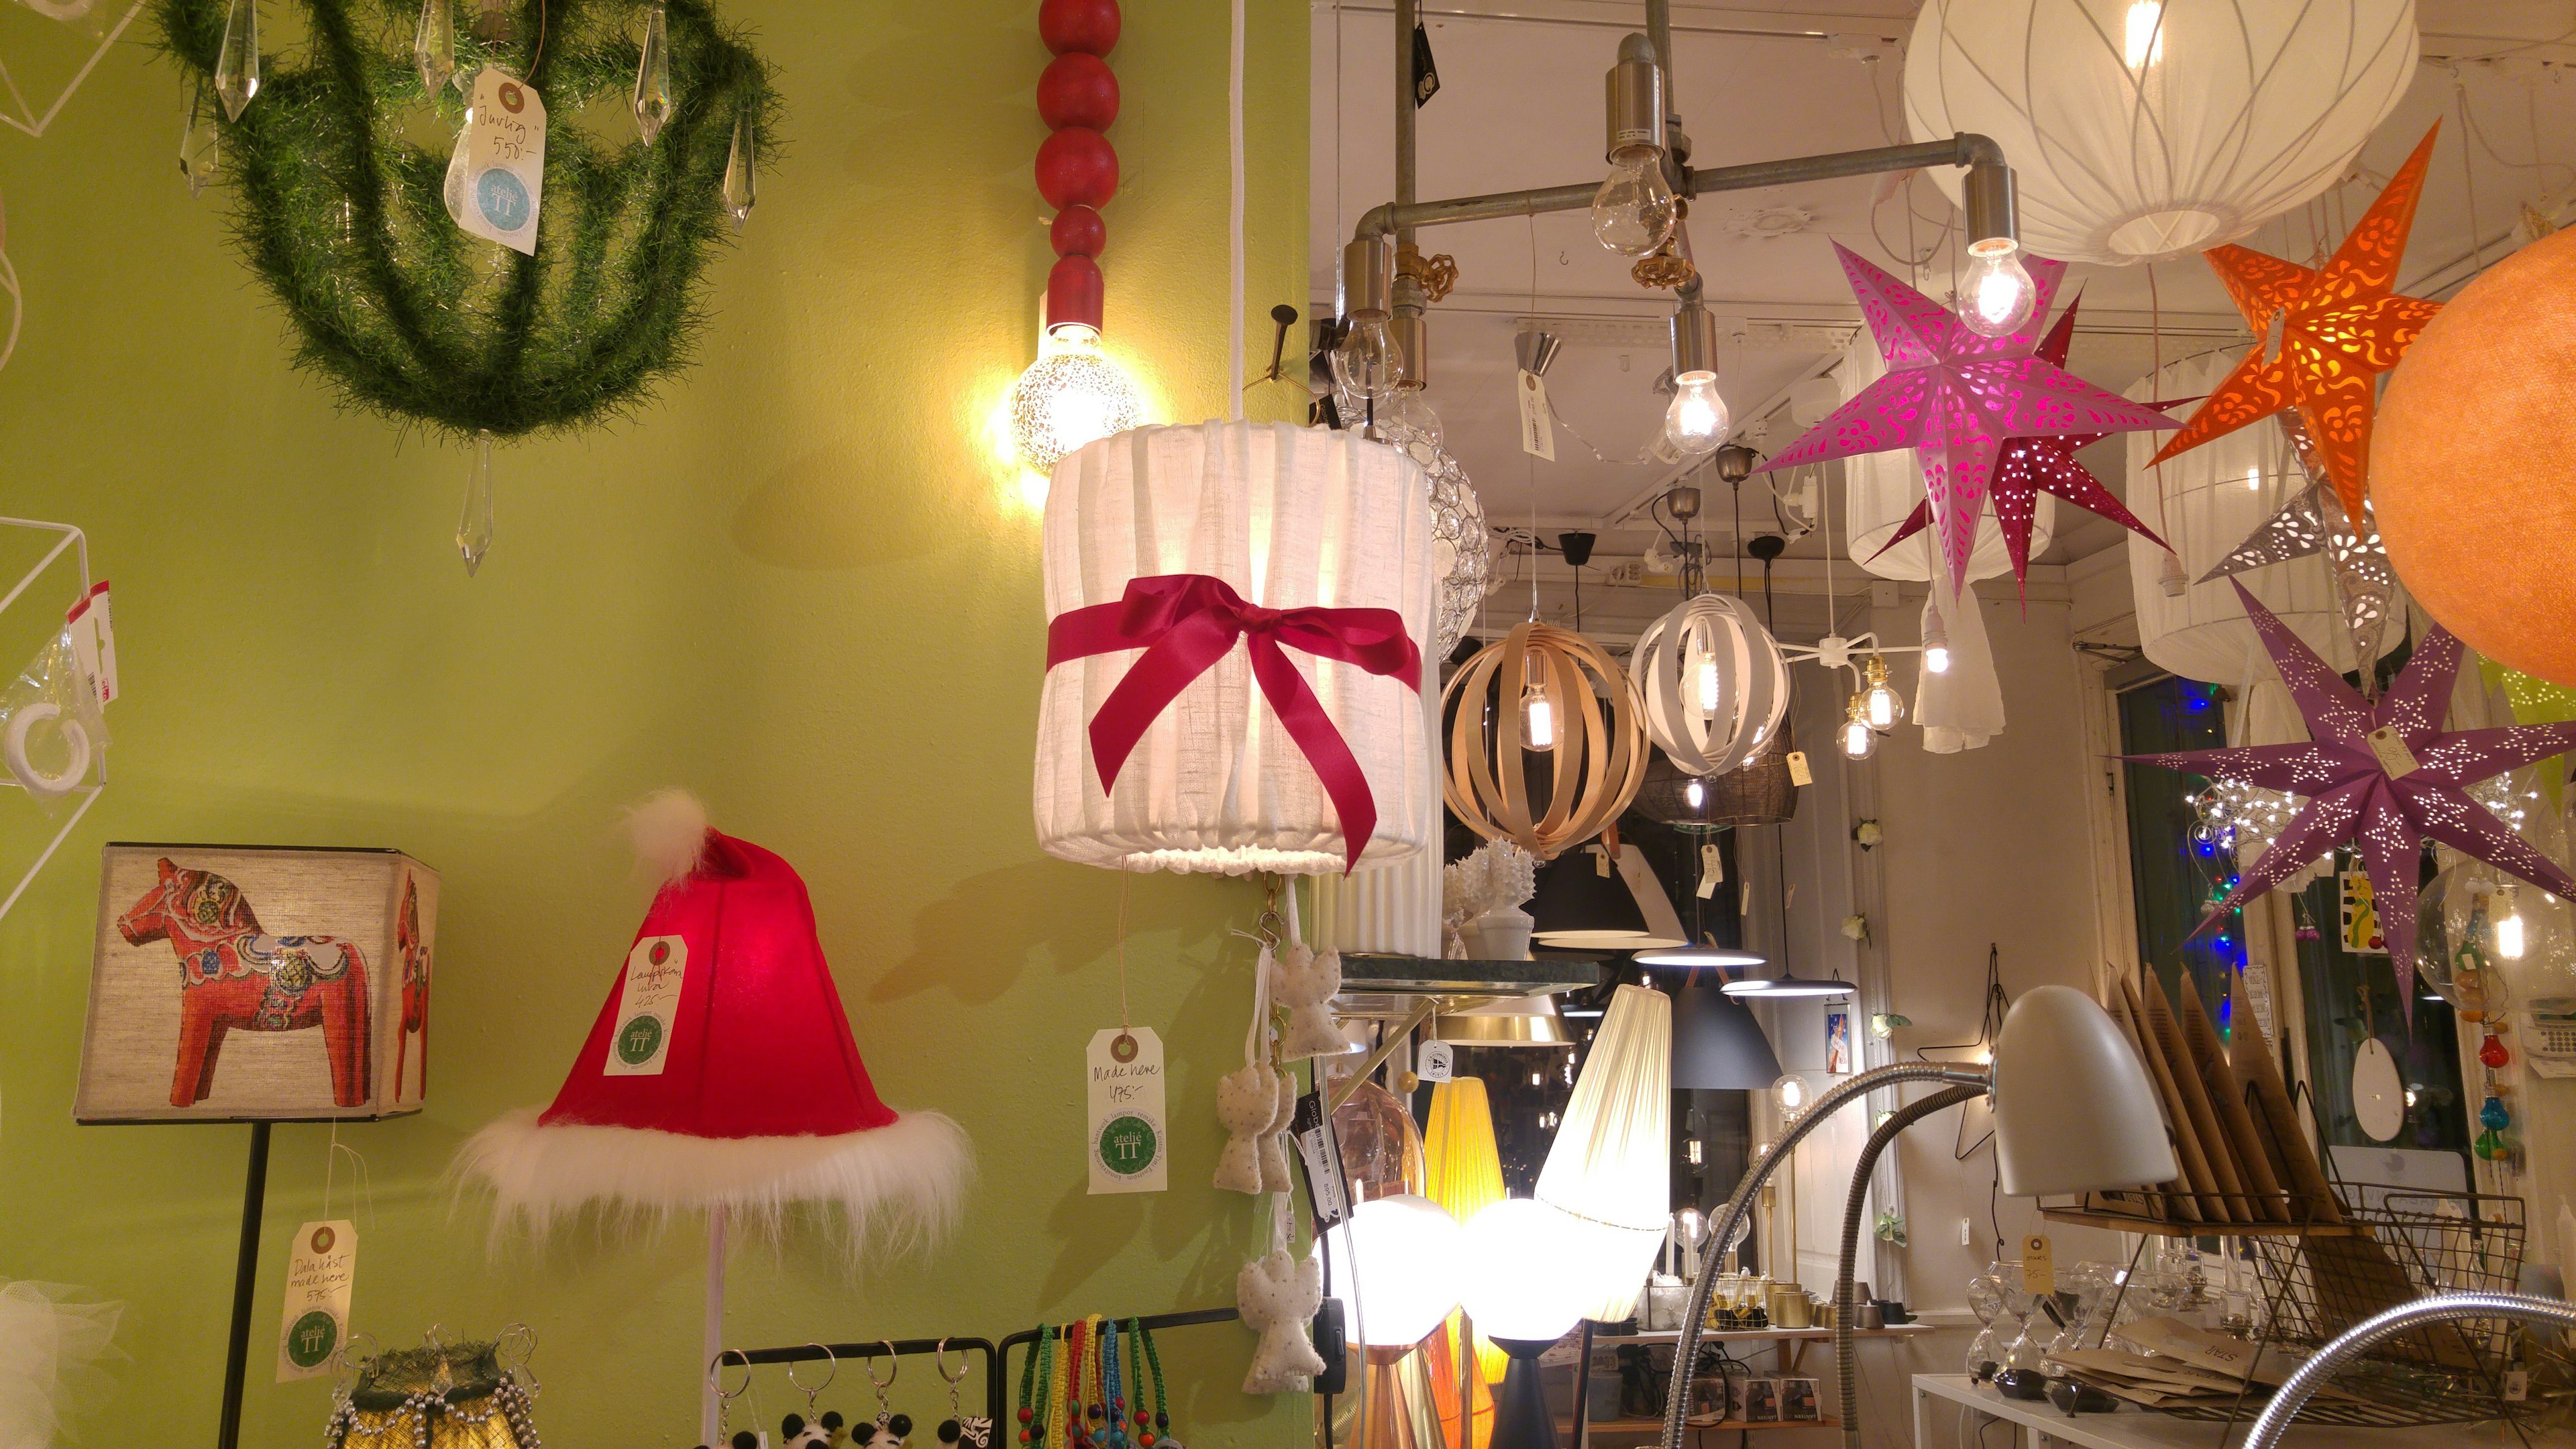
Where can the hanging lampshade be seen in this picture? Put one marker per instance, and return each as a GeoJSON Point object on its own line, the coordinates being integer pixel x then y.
{"type": "Point", "coordinates": [1759, 794]}
{"type": "Point", "coordinates": [1609, 1171]}
{"type": "Point", "coordinates": [1717, 1045]}
{"type": "Point", "coordinates": [1239, 739]}
{"type": "Point", "coordinates": [1510, 1021]}
{"type": "Point", "coordinates": [1713, 682]}
{"type": "Point", "coordinates": [1669, 797]}
{"type": "Point", "coordinates": [2212, 498]}
{"type": "Point", "coordinates": [2142, 130]}
{"type": "Point", "coordinates": [1881, 490]}
{"type": "Point", "coordinates": [1462, 547]}
{"type": "Point", "coordinates": [1462, 1170]}
{"type": "Point", "coordinates": [1586, 903]}
{"type": "Point", "coordinates": [1546, 701]}
{"type": "Point", "coordinates": [1381, 1148]}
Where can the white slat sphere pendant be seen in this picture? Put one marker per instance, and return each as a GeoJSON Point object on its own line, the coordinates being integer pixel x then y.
{"type": "Point", "coordinates": [1713, 681]}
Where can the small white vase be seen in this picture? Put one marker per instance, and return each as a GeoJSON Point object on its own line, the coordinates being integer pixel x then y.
{"type": "Point", "coordinates": [1501, 934]}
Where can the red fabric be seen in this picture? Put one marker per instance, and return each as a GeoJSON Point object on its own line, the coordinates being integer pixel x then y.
{"type": "Point", "coordinates": [1185, 623]}
{"type": "Point", "coordinates": [760, 1046]}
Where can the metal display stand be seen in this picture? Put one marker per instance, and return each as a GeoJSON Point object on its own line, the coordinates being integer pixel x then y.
{"type": "Point", "coordinates": [813, 1352]}
{"type": "Point", "coordinates": [1150, 1322]}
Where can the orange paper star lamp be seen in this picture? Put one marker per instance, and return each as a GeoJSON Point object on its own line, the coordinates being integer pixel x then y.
{"type": "Point", "coordinates": [2472, 466]}
{"type": "Point", "coordinates": [2341, 326]}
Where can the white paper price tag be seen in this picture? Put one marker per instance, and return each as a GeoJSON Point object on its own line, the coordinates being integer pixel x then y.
{"type": "Point", "coordinates": [319, 1274]}
{"type": "Point", "coordinates": [1435, 1061]}
{"type": "Point", "coordinates": [2391, 749]}
{"type": "Point", "coordinates": [1538, 431]}
{"type": "Point", "coordinates": [656, 968]}
{"type": "Point", "coordinates": [94, 641]}
{"type": "Point", "coordinates": [1799, 774]}
{"type": "Point", "coordinates": [1128, 1150]}
{"type": "Point", "coordinates": [2038, 1265]}
{"type": "Point", "coordinates": [1712, 870]}
{"type": "Point", "coordinates": [497, 176]}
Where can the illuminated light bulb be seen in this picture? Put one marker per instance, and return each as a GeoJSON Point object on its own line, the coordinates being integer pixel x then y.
{"type": "Point", "coordinates": [1936, 639]}
{"type": "Point", "coordinates": [1695, 793]}
{"type": "Point", "coordinates": [2143, 34]}
{"type": "Point", "coordinates": [1885, 706]}
{"type": "Point", "coordinates": [1792, 1092]}
{"type": "Point", "coordinates": [1696, 422]}
{"type": "Point", "coordinates": [1997, 295]}
{"type": "Point", "coordinates": [1072, 395]}
{"type": "Point", "coordinates": [1366, 361]}
{"type": "Point", "coordinates": [1538, 711]}
{"type": "Point", "coordinates": [2508, 926]}
{"type": "Point", "coordinates": [1858, 739]}
{"type": "Point", "coordinates": [1633, 212]}
{"type": "Point", "coordinates": [1708, 686]}
{"type": "Point", "coordinates": [2253, 480]}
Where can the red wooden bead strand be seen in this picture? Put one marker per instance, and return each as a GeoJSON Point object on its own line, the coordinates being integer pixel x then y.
{"type": "Point", "coordinates": [1078, 231]}
{"type": "Point", "coordinates": [1076, 167]}
{"type": "Point", "coordinates": [1089, 27]}
{"type": "Point", "coordinates": [1078, 89]}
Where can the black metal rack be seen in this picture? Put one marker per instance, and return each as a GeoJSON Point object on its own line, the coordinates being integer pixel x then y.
{"type": "Point", "coordinates": [1150, 1323]}
{"type": "Point", "coordinates": [816, 1352]}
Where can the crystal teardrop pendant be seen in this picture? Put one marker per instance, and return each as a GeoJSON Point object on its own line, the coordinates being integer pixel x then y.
{"type": "Point", "coordinates": [198, 141]}
{"type": "Point", "coordinates": [653, 76]}
{"type": "Point", "coordinates": [433, 46]}
{"type": "Point", "coordinates": [474, 530]}
{"type": "Point", "coordinates": [237, 64]}
{"type": "Point", "coordinates": [741, 190]}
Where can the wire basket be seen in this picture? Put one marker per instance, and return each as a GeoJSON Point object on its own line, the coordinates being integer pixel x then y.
{"type": "Point", "coordinates": [2314, 1288]}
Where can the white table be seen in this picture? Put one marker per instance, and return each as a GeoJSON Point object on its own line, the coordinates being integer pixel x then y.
{"type": "Point", "coordinates": [2132, 1428]}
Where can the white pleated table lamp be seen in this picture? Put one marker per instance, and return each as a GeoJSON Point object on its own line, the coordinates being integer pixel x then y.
{"type": "Point", "coordinates": [1610, 1170]}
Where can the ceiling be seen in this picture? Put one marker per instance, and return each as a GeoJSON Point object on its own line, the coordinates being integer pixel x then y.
{"type": "Point", "coordinates": [1519, 106]}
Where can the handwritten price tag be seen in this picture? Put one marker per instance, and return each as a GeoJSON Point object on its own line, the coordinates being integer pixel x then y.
{"type": "Point", "coordinates": [497, 174]}
{"type": "Point", "coordinates": [319, 1276]}
{"type": "Point", "coordinates": [656, 968]}
{"type": "Point", "coordinates": [1127, 1148]}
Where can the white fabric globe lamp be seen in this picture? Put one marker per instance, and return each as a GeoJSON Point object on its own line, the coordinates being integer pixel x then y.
{"type": "Point", "coordinates": [1517, 1295]}
{"type": "Point", "coordinates": [1397, 1260]}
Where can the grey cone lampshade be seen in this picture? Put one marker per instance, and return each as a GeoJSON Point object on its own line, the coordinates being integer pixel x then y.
{"type": "Point", "coordinates": [1717, 1045]}
{"type": "Point", "coordinates": [2074, 1111]}
{"type": "Point", "coordinates": [1578, 908]}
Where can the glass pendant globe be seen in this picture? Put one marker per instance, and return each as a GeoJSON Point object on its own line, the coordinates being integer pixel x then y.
{"type": "Point", "coordinates": [1072, 395]}
{"type": "Point", "coordinates": [1634, 211]}
{"type": "Point", "coordinates": [1398, 1260]}
{"type": "Point", "coordinates": [1514, 1286]}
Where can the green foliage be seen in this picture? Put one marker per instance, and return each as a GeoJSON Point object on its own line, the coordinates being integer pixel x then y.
{"type": "Point", "coordinates": [341, 211]}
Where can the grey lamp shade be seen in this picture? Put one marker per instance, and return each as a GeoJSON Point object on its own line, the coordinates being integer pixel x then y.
{"type": "Point", "coordinates": [2074, 1111]}
{"type": "Point", "coordinates": [1717, 1045]}
{"type": "Point", "coordinates": [1578, 908]}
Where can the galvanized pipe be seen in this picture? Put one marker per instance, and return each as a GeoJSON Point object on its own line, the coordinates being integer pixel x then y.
{"type": "Point", "coordinates": [1904, 1117]}
{"type": "Point", "coordinates": [1408, 14]}
{"type": "Point", "coordinates": [2295, 1392]}
{"type": "Point", "coordinates": [1686, 1350]}
{"type": "Point", "coordinates": [1965, 149]}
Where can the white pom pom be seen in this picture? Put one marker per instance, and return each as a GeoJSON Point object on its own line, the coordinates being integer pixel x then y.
{"type": "Point", "coordinates": [669, 828]}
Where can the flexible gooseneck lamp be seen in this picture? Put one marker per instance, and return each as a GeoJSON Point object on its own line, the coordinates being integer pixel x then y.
{"type": "Point", "coordinates": [2311, 1375]}
{"type": "Point", "coordinates": [2074, 1112]}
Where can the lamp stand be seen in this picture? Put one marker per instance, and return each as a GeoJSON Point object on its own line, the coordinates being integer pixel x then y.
{"type": "Point", "coordinates": [1391, 1417]}
{"type": "Point", "coordinates": [1897, 1121]}
{"type": "Point", "coordinates": [1686, 1352]}
{"type": "Point", "coordinates": [1522, 1419]}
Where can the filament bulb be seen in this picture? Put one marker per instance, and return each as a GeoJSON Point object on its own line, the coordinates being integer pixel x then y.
{"type": "Point", "coordinates": [1696, 422]}
{"type": "Point", "coordinates": [1708, 684]}
{"type": "Point", "coordinates": [1633, 212]}
{"type": "Point", "coordinates": [1997, 295]}
{"type": "Point", "coordinates": [1366, 360]}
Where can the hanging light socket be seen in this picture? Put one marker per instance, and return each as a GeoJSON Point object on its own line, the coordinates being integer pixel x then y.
{"type": "Point", "coordinates": [1537, 350]}
{"type": "Point", "coordinates": [1368, 276]}
{"type": "Point", "coordinates": [1694, 340]}
{"type": "Point", "coordinates": [1635, 93]}
{"type": "Point", "coordinates": [1735, 464]}
{"type": "Point", "coordinates": [1987, 198]}
{"type": "Point", "coordinates": [1413, 342]}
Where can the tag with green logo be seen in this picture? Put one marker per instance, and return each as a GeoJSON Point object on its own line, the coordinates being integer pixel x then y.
{"type": "Point", "coordinates": [1128, 1150]}
{"type": "Point", "coordinates": [319, 1274]}
{"type": "Point", "coordinates": [646, 1003]}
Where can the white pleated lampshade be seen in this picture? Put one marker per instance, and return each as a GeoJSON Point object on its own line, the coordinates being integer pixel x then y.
{"type": "Point", "coordinates": [1286, 518]}
{"type": "Point", "coordinates": [2142, 130]}
{"type": "Point", "coordinates": [2212, 497]}
{"type": "Point", "coordinates": [1610, 1169]}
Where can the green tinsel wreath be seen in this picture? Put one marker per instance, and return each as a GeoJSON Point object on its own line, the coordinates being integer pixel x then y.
{"type": "Point", "coordinates": [340, 166]}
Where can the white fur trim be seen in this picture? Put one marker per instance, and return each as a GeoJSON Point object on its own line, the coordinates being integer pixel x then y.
{"type": "Point", "coordinates": [669, 828]}
{"type": "Point", "coordinates": [905, 1180]}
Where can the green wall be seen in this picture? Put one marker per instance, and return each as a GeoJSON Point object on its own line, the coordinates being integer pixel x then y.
{"type": "Point", "coordinates": [800, 584]}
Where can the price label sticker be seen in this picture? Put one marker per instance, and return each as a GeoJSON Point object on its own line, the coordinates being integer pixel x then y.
{"type": "Point", "coordinates": [1712, 870]}
{"type": "Point", "coordinates": [1538, 430]}
{"type": "Point", "coordinates": [647, 1003]}
{"type": "Point", "coordinates": [2391, 749]}
{"type": "Point", "coordinates": [2517, 1385]}
{"type": "Point", "coordinates": [1435, 1062]}
{"type": "Point", "coordinates": [1128, 1149]}
{"type": "Point", "coordinates": [320, 1271]}
{"type": "Point", "coordinates": [2038, 1265]}
{"type": "Point", "coordinates": [496, 177]}
{"type": "Point", "coordinates": [1799, 774]}
{"type": "Point", "coordinates": [1324, 1196]}
{"type": "Point", "coordinates": [94, 641]}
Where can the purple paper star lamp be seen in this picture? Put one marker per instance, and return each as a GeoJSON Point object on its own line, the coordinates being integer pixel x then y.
{"type": "Point", "coordinates": [1955, 397]}
{"type": "Point", "coordinates": [2385, 776]}
{"type": "Point", "coordinates": [2028, 467]}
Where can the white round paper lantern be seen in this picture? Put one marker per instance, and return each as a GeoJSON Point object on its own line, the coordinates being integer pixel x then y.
{"type": "Point", "coordinates": [1517, 1286]}
{"type": "Point", "coordinates": [1713, 681]}
{"type": "Point", "coordinates": [2141, 130]}
{"type": "Point", "coordinates": [1399, 1259]}
{"type": "Point", "coordinates": [1285, 518]}
{"type": "Point", "coordinates": [2213, 497]}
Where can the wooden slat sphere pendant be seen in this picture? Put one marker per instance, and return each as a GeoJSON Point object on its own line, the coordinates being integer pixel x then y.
{"type": "Point", "coordinates": [1561, 697]}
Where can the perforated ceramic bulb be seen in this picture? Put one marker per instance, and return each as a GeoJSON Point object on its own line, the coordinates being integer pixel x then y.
{"type": "Point", "coordinates": [1072, 395]}
{"type": "Point", "coordinates": [1997, 295]}
{"type": "Point", "coordinates": [1366, 361]}
{"type": "Point", "coordinates": [1633, 212]}
{"type": "Point", "coordinates": [1696, 422]}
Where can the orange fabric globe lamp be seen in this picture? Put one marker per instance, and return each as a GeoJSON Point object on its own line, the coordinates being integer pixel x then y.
{"type": "Point", "coordinates": [2473, 469]}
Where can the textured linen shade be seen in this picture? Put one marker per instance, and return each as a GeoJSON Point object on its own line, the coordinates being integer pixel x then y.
{"type": "Point", "coordinates": [1609, 1172]}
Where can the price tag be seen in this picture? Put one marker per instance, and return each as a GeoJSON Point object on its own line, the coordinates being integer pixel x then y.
{"type": "Point", "coordinates": [1538, 431]}
{"type": "Point", "coordinates": [2038, 1265]}
{"type": "Point", "coordinates": [1128, 1149]}
{"type": "Point", "coordinates": [1435, 1061]}
{"type": "Point", "coordinates": [497, 176]}
{"type": "Point", "coordinates": [2391, 749]}
{"type": "Point", "coordinates": [1712, 870]}
{"type": "Point", "coordinates": [2517, 1385]}
{"type": "Point", "coordinates": [1799, 774]}
{"type": "Point", "coordinates": [94, 641]}
{"type": "Point", "coordinates": [656, 967]}
{"type": "Point", "coordinates": [1324, 1196]}
{"type": "Point", "coordinates": [319, 1274]}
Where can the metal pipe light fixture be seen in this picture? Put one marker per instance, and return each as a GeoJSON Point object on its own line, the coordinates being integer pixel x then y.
{"type": "Point", "coordinates": [1697, 420]}
{"type": "Point", "coordinates": [1996, 296]}
{"type": "Point", "coordinates": [1367, 362]}
{"type": "Point", "coordinates": [1634, 211]}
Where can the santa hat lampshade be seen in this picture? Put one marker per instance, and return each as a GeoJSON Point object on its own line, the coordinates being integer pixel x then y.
{"type": "Point", "coordinates": [721, 1072]}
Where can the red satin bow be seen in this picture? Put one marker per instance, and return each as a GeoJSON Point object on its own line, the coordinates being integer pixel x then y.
{"type": "Point", "coordinates": [1185, 623]}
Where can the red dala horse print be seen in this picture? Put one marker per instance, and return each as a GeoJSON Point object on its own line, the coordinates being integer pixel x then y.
{"type": "Point", "coordinates": [232, 977]}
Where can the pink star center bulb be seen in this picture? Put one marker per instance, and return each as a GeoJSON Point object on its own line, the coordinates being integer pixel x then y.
{"type": "Point", "coordinates": [1997, 295]}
